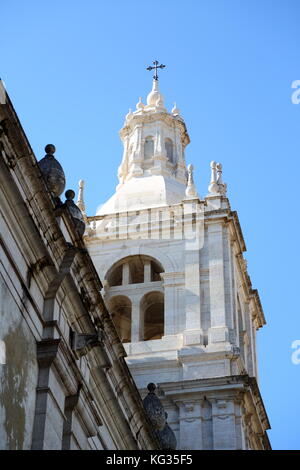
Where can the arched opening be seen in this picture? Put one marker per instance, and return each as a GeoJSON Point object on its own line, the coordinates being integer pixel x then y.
{"type": "Point", "coordinates": [152, 310]}
{"type": "Point", "coordinates": [137, 269]}
{"type": "Point", "coordinates": [155, 271]}
{"type": "Point", "coordinates": [115, 276]}
{"type": "Point", "coordinates": [149, 147]}
{"type": "Point", "coordinates": [169, 150]}
{"type": "Point", "coordinates": [120, 310]}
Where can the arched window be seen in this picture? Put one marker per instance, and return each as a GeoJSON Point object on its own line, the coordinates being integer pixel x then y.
{"type": "Point", "coordinates": [149, 147]}
{"type": "Point", "coordinates": [115, 277]}
{"type": "Point", "coordinates": [134, 270]}
{"type": "Point", "coordinates": [134, 295]}
{"type": "Point", "coordinates": [152, 310]}
{"type": "Point", "coordinates": [120, 310]}
{"type": "Point", "coordinates": [169, 150]}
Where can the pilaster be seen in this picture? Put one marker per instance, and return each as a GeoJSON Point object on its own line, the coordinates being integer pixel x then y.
{"type": "Point", "coordinates": [223, 417]}
{"type": "Point", "coordinates": [190, 421]}
{"type": "Point", "coordinates": [218, 332]}
{"type": "Point", "coordinates": [45, 430]}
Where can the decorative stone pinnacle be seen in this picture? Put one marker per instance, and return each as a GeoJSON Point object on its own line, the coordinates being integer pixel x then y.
{"type": "Point", "coordinates": [191, 191]}
{"type": "Point", "coordinates": [75, 212]}
{"type": "Point", "coordinates": [158, 419]}
{"type": "Point", "coordinates": [140, 105]}
{"type": "Point", "coordinates": [175, 111]}
{"type": "Point", "coordinates": [52, 171]}
{"type": "Point", "coordinates": [129, 114]}
{"type": "Point", "coordinates": [80, 201]}
{"type": "Point", "coordinates": [216, 186]}
{"type": "Point", "coordinates": [219, 173]}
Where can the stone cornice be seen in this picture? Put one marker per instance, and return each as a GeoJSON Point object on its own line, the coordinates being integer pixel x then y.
{"type": "Point", "coordinates": [215, 386]}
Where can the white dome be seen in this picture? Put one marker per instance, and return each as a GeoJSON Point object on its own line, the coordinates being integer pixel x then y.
{"type": "Point", "coordinates": [138, 193]}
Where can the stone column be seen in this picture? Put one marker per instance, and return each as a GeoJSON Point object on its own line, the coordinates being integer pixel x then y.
{"type": "Point", "coordinates": [125, 274]}
{"type": "Point", "coordinates": [147, 271]}
{"type": "Point", "coordinates": [136, 157]}
{"type": "Point", "coordinates": [137, 320]}
{"type": "Point", "coordinates": [181, 166]}
{"type": "Point", "coordinates": [170, 283]}
{"type": "Point", "coordinates": [219, 330]}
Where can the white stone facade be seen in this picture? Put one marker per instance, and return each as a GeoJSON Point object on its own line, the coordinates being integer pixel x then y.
{"type": "Point", "coordinates": [55, 392]}
{"type": "Point", "coordinates": [176, 284]}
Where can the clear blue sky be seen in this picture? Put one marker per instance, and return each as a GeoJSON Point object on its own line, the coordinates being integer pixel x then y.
{"type": "Point", "coordinates": [73, 68]}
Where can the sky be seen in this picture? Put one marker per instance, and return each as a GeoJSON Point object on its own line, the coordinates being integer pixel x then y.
{"type": "Point", "coordinates": [73, 69]}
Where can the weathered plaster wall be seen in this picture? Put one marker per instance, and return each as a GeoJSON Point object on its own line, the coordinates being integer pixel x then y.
{"type": "Point", "coordinates": [18, 376]}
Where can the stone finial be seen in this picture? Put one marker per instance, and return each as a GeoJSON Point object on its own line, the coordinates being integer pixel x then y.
{"type": "Point", "coordinates": [222, 186]}
{"type": "Point", "coordinates": [154, 408]}
{"type": "Point", "coordinates": [216, 186]}
{"type": "Point", "coordinates": [80, 200]}
{"type": "Point", "coordinates": [175, 111]}
{"type": "Point", "coordinates": [75, 212]}
{"type": "Point", "coordinates": [129, 114]}
{"type": "Point", "coordinates": [191, 191]}
{"type": "Point", "coordinates": [140, 105]}
{"type": "Point", "coordinates": [213, 187]}
{"type": "Point", "coordinates": [158, 419]}
{"type": "Point", "coordinates": [155, 98]}
{"type": "Point", "coordinates": [52, 171]}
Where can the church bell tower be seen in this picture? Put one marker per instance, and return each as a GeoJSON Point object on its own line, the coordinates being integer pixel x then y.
{"type": "Point", "coordinates": [176, 284]}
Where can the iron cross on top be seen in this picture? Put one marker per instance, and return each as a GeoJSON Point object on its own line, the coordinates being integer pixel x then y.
{"type": "Point", "coordinates": [155, 67]}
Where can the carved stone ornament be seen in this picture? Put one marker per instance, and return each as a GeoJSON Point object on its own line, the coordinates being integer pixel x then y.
{"type": "Point", "coordinates": [75, 212]}
{"type": "Point", "coordinates": [216, 186]}
{"type": "Point", "coordinates": [158, 418]}
{"type": "Point", "coordinates": [81, 343]}
{"type": "Point", "coordinates": [154, 409]}
{"type": "Point", "coordinates": [52, 171]}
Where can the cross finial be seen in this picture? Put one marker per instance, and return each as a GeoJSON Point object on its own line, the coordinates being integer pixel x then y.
{"type": "Point", "coordinates": [155, 67]}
